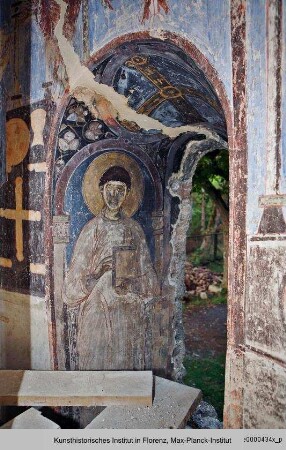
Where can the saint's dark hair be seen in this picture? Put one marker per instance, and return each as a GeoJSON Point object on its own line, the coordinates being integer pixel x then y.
{"type": "Point", "coordinates": [116, 173]}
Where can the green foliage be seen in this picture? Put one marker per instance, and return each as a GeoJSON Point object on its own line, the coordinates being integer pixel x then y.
{"type": "Point", "coordinates": [199, 258]}
{"type": "Point", "coordinates": [208, 375]}
{"type": "Point", "coordinates": [196, 258]}
{"type": "Point", "coordinates": [197, 198]}
{"type": "Point", "coordinates": [193, 302]}
{"type": "Point", "coordinates": [216, 266]}
{"type": "Point", "coordinates": [220, 299]}
{"type": "Point", "coordinates": [213, 167]}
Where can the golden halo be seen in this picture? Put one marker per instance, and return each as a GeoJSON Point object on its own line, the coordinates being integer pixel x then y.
{"type": "Point", "coordinates": [90, 185]}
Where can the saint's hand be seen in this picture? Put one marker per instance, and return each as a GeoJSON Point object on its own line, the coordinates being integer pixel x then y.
{"type": "Point", "coordinates": [91, 279]}
{"type": "Point", "coordinates": [105, 266]}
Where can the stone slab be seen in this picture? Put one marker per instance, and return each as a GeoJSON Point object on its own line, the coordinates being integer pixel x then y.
{"type": "Point", "coordinates": [75, 388]}
{"type": "Point", "coordinates": [30, 419]}
{"type": "Point", "coordinates": [24, 338]}
{"type": "Point", "coordinates": [172, 407]}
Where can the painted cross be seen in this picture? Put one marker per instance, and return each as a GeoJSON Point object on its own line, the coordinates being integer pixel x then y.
{"type": "Point", "coordinates": [19, 214]}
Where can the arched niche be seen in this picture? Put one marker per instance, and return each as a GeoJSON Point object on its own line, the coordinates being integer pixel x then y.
{"type": "Point", "coordinates": [167, 157]}
{"type": "Point", "coordinates": [71, 214]}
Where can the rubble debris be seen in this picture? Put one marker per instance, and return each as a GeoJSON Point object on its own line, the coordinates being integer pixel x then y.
{"type": "Point", "coordinates": [200, 280]}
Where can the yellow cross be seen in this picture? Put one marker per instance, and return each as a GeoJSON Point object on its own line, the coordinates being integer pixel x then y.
{"type": "Point", "coordinates": [19, 214]}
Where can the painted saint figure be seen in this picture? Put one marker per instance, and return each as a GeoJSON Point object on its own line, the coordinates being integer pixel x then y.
{"type": "Point", "coordinates": [112, 278]}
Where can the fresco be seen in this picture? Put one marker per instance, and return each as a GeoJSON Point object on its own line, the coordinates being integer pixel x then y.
{"type": "Point", "coordinates": [159, 81]}
{"type": "Point", "coordinates": [111, 231]}
{"type": "Point", "coordinates": [111, 282]}
{"type": "Point", "coordinates": [21, 219]}
{"type": "Point", "coordinates": [163, 84]}
{"type": "Point", "coordinates": [111, 274]}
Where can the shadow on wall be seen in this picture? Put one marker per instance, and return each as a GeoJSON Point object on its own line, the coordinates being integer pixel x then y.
{"type": "Point", "coordinates": [23, 337]}
{"type": "Point", "coordinates": [23, 324]}
{"type": "Point", "coordinates": [15, 321]}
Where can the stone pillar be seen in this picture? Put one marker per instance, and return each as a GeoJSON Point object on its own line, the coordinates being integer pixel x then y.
{"type": "Point", "coordinates": [272, 202]}
{"type": "Point", "coordinates": [265, 308]}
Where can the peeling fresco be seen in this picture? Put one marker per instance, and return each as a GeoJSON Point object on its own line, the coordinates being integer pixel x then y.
{"type": "Point", "coordinates": [90, 131]}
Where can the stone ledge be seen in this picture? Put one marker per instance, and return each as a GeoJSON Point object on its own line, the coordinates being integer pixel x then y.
{"type": "Point", "coordinates": [173, 405]}
{"type": "Point", "coordinates": [75, 388]}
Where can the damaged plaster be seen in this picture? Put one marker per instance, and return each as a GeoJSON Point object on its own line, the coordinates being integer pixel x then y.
{"type": "Point", "coordinates": [103, 100]}
{"type": "Point", "coordinates": [180, 185]}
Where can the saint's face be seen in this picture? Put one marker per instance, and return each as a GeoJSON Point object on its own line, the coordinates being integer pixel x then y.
{"type": "Point", "coordinates": [114, 194]}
